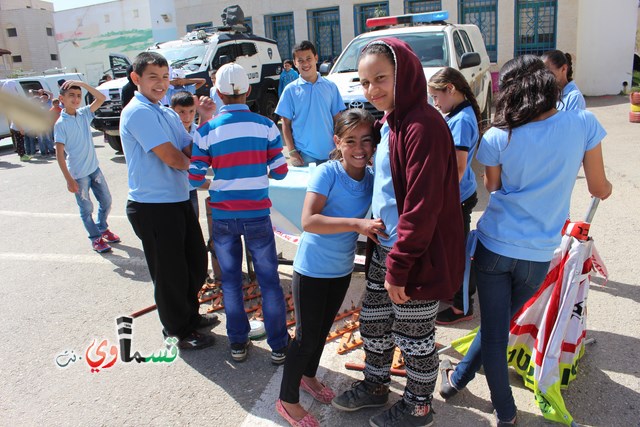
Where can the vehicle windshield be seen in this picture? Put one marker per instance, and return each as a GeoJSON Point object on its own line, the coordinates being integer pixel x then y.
{"type": "Point", "coordinates": [190, 56]}
{"type": "Point", "coordinates": [431, 48]}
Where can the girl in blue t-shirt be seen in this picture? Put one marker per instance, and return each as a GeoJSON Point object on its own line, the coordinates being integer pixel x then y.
{"type": "Point", "coordinates": [338, 198]}
{"type": "Point", "coordinates": [532, 155]}
{"type": "Point", "coordinates": [453, 96]}
{"type": "Point", "coordinates": [560, 65]}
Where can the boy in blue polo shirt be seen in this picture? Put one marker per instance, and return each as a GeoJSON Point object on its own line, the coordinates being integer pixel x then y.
{"type": "Point", "coordinates": [308, 107]}
{"type": "Point", "coordinates": [80, 168]}
{"type": "Point", "coordinates": [157, 148]}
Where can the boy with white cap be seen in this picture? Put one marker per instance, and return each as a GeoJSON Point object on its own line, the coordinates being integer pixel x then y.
{"type": "Point", "coordinates": [244, 150]}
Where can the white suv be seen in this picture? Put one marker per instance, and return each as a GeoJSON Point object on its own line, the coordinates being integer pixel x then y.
{"type": "Point", "coordinates": [437, 44]}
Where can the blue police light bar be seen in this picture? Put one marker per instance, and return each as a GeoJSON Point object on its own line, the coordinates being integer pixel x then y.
{"type": "Point", "coordinates": [408, 19]}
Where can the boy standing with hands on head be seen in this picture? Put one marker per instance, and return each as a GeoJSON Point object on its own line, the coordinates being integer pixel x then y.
{"type": "Point", "coordinates": [157, 148]}
{"type": "Point", "coordinates": [244, 150]}
{"type": "Point", "coordinates": [308, 107]}
{"type": "Point", "coordinates": [72, 134]}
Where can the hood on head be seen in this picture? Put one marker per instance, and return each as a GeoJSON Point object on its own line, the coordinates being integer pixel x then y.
{"type": "Point", "coordinates": [410, 81]}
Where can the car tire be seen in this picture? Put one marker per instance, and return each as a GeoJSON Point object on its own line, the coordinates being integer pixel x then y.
{"type": "Point", "coordinates": [486, 112]}
{"type": "Point", "coordinates": [114, 142]}
{"type": "Point", "coordinates": [268, 104]}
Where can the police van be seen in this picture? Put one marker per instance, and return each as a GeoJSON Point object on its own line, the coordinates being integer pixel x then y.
{"type": "Point", "coordinates": [437, 44]}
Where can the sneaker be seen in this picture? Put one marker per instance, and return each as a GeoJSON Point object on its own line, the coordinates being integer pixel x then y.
{"type": "Point", "coordinates": [100, 246]}
{"type": "Point", "coordinates": [25, 158]}
{"type": "Point", "coordinates": [207, 320]}
{"type": "Point", "coordinates": [448, 317]}
{"type": "Point", "coordinates": [239, 351]}
{"type": "Point", "coordinates": [402, 414]}
{"type": "Point", "coordinates": [280, 355]}
{"type": "Point", "coordinates": [109, 237]}
{"type": "Point", "coordinates": [195, 341]}
{"type": "Point", "coordinates": [447, 390]}
{"type": "Point", "coordinates": [363, 394]}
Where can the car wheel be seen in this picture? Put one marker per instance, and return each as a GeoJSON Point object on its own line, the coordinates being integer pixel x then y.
{"type": "Point", "coordinates": [114, 142]}
{"type": "Point", "coordinates": [268, 104]}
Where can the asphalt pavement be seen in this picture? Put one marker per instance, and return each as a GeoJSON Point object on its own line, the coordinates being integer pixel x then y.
{"type": "Point", "coordinates": [59, 302]}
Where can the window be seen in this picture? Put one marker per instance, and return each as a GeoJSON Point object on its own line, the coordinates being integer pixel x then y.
{"type": "Point", "coordinates": [228, 50]}
{"type": "Point", "coordinates": [417, 6]}
{"type": "Point", "coordinates": [136, 13]}
{"type": "Point", "coordinates": [194, 27]}
{"type": "Point", "coordinates": [535, 26]}
{"type": "Point", "coordinates": [49, 31]}
{"type": "Point", "coordinates": [483, 14]}
{"type": "Point", "coordinates": [12, 32]}
{"type": "Point", "coordinates": [248, 22]}
{"type": "Point", "coordinates": [248, 49]}
{"type": "Point", "coordinates": [458, 46]}
{"type": "Point", "coordinates": [280, 28]}
{"type": "Point", "coordinates": [362, 12]}
{"type": "Point", "coordinates": [16, 58]}
{"type": "Point", "coordinates": [54, 57]}
{"type": "Point", "coordinates": [324, 32]}
{"type": "Point", "coordinates": [107, 19]}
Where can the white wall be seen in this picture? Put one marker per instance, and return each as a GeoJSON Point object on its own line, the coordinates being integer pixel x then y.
{"type": "Point", "coordinates": [605, 45]}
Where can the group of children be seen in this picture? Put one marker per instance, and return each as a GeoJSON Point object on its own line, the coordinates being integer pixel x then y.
{"type": "Point", "coordinates": [421, 191]}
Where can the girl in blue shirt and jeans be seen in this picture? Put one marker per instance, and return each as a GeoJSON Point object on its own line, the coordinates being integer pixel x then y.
{"type": "Point", "coordinates": [338, 198]}
{"type": "Point", "coordinates": [532, 155]}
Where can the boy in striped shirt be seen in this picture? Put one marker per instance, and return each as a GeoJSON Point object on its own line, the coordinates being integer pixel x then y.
{"type": "Point", "coordinates": [244, 150]}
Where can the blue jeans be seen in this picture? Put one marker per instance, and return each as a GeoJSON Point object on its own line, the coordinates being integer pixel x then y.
{"type": "Point", "coordinates": [30, 144]}
{"type": "Point", "coordinates": [504, 284]}
{"type": "Point", "coordinates": [310, 159]}
{"type": "Point", "coordinates": [46, 144]}
{"type": "Point", "coordinates": [258, 236]}
{"type": "Point", "coordinates": [98, 184]}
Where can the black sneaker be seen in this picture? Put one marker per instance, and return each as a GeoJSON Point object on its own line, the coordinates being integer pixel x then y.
{"type": "Point", "coordinates": [207, 320]}
{"type": "Point", "coordinates": [448, 317]}
{"type": "Point", "coordinates": [363, 394]}
{"type": "Point", "coordinates": [447, 390]}
{"type": "Point", "coordinates": [279, 356]}
{"type": "Point", "coordinates": [195, 341]}
{"type": "Point", "coordinates": [402, 414]}
{"type": "Point", "coordinates": [239, 351]}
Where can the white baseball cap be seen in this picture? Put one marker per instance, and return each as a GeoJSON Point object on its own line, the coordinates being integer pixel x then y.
{"type": "Point", "coordinates": [231, 79]}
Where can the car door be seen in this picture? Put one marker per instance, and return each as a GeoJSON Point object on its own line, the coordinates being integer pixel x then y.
{"type": "Point", "coordinates": [473, 75]}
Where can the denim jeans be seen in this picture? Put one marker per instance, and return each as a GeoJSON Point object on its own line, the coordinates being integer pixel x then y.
{"type": "Point", "coordinates": [30, 144]}
{"type": "Point", "coordinates": [310, 159]}
{"type": "Point", "coordinates": [504, 285]}
{"type": "Point", "coordinates": [45, 142]}
{"type": "Point", "coordinates": [97, 183]}
{"type": "Point", "coordinates": [258, 236]}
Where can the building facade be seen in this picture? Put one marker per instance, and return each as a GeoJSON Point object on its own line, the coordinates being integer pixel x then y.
{"type": "Point", "coordinates": [28, 33]}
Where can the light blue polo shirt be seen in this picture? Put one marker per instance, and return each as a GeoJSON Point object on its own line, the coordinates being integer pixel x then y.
{"type": "Point", "coordinates": [74, 132]}
{"type": "Point", "coordinates": [464, 129]}
{"type": "Point", "coordinates": [144, 126]}
{"type": "Point", "coordinates": [539, 164]}
{"type": "Point", "coordinates": [572, 98]}
{"type": "Point", "coordinates": [384, 204]}
{"type": "Point", "coordinates": [311, 107]}
{"type": "Point", "coordinates": [332, 255]}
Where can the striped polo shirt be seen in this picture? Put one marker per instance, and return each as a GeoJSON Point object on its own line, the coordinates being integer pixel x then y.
{"type": "Point", "coordinates": [243, 149]}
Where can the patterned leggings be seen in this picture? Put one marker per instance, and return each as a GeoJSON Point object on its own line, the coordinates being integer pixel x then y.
{"type": "Point", "coordinates": [410, 326]}
{"type": "Point", "coordinates": [18, 140]}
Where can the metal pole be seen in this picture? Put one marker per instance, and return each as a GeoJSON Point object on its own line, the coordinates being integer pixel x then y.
{"type": "Point", "coordinates": [592, 210]}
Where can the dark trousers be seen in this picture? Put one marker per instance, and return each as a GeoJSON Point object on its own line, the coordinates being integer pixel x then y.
{"type": "Point", "coordinates": [18, 141]}
{"type": "Point", "coordinates": [176, 257]}
{"type": "Point", "coordinates": [467, 208]}
{"type": "Point", "coordinates": [316, 303]}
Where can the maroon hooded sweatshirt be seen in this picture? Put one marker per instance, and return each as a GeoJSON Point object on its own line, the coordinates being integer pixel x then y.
{"type": "Point", "coordinates": [428, 257]}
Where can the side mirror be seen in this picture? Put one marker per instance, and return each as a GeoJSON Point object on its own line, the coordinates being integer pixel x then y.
{"type": "Point", "coordinates": [469, 59]}
{"type": "Point", "coordinates": [325, 67]}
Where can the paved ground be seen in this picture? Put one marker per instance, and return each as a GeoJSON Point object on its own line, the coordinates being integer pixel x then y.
{"type": "Point", "coordinates": [57, 295]}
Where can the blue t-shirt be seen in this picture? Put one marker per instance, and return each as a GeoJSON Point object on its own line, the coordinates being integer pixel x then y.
{"type": "Point", "coordinates": [572, 98]}
{"type": "Point", "coordinates": [144, 126]}
{"type": "Point", "coordinates": [286, 77]}
{"type": "Point", "coordinates": [539, 164]}
{"type": "Point", "coordinates": [332, 255]}
{"type": "Point", "coordinates": [311, 107]}
{"type": "Point", "coordinates": [384, 204]}
{"type": "Point", "coordinates": [74, 132]}
{"type": "Point", "coordinates": [464, 129]}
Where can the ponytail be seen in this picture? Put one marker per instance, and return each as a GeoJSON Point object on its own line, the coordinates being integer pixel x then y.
{"type": "Point", "coordinates": [558, 59]}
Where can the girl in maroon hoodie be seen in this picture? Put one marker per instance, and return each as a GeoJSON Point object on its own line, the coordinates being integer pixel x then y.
{"type": "Point", "coordinates": [416, 194]}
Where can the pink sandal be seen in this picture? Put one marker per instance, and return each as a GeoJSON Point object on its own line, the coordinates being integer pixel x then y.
{"type": "Point", "coordinates": [325, 396]}
{"type": "Point", "coordinates": [307, 421]}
